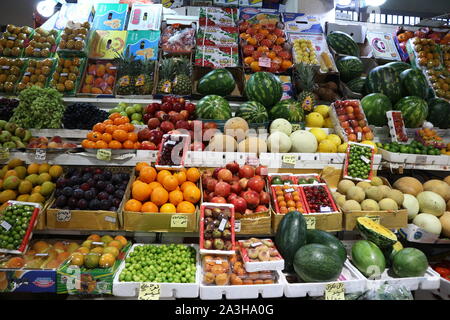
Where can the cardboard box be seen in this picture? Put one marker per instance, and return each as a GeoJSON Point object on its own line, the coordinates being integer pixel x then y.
{"type": "Point", "coordinates": [414, 233]}
{"type": "Point", "coordinates": [330, 222]}
{"type": "Point", "coordinates": [357, 32]}
{"type": "Point", "coordinates": [217, 36]}
{"type": "Point", "coordinates": [251, 3]}
{"type": "Point", "coordinates": [389, 219]}
{"type": "Point", "coordinates": [301, 22]}
{"type": "Point", "coordinates": [90, 62]}
{"type": "Point", "coordinates": [383, 46]}
{"type": "Point", "coordinates": [211, 16]}
{"type": "Point", "coordinates": [110, 16]}
{"type": "Point", "coordinates": [36, 281]}
{"type": "Point", "coordinates": [106, 44]}
{"type": "Point", "coordinates": [226, 3]}
{"type": "Point", "coordinates": [75, 12]}
{"type": "Point", "coordinates": [145, 17]}
{"type": "Point", "coordinates": [215, 57]}
{"type": "Point", "coordinates": [143, 44]}
{"type": "Point", "coordinates": [254, 15]}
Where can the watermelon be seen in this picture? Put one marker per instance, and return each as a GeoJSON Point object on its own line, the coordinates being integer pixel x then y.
{"type": "Point", "coordinates": [350, 68]}
{"type": "Point", "coordinates": [213, 107]}
{"type": "Point", "coordinates": [357, 85]}
{"type": "Point", "coordinates": [410, 262]}
{"type": "Point", "coordinates": [375, 106]}
{"type": "Point", "coordinates": [386, 81]}
{"type": "Point", "coordinates": [253, 112]}
{"type": "Point", "coordinates": [368, 258]}
{"type": "Point", "coordinates": [265, 88]}
{"type": "Point", "coordinates": [414, 111]}
{"type": "Point", "coordinates": [398, 66]}
{"type": "Point", "coordinates": [342, 43]}
{"type": "Point", "coordinates": [439, 113]}
{"type": "Point", "coordinates": [376, 233]}
{"type": "Point", "coordinates": [288, 109]}
{"type": "Point", "coordinates": [414, 83]}
{"type": "Point", "coordinates": [326, 239]}
{"type": "Point", "coordinates": [317, 263]}
{"type": "Point", "coordinates": [219, 82]}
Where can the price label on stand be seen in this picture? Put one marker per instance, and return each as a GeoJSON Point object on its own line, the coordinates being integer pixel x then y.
{"type": "Point", "coordinates": [40, 154]}
{"type": "Point", "coordinates": [104, 154]}
{"type": "Point", "coordinates": [288, 159]}
{"type": "Point", "coordinates": [4, 154]}
{"type": "Point", "coordinates": [149, 291]}
{"type": "Point", "coordinates": [63, 216]}
{"type": "Point", "coordinates": [178, 221]}
{"type": "Point", "coordinates": [5, 225]}
{"type": "Point", "coordinates": [335, 291]}
{"type": "Point", "coordinates": [237, 225]}
{"type": "Point", "coordinates": [264, 62]}
{"type": "Point", "coordinates": [310, 221]}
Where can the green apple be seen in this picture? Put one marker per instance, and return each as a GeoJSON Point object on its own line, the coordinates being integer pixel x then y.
{"type": "Point", "coordinates": [137, 108]}
{"type": "Point", "coordinates": [130, 110]}
{"type": "Point", "coordinates": [114, 110]}
{"type": "Point", "coordinates": [123, 113]}
{"type": "Point", "coordinates": [135, 122]}
{"type": "Point", "coordinates": [122, 105]}
{"type": "Point", "coordinates": [136, 116]}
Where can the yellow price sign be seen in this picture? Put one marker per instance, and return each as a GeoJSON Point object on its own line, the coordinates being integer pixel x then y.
{"type": "Point", "coordinates": [289, 159]}
{"type": "Point", "coordinates": [376, 219]}
{"type": "Point", "coordinates": [335, 291]}
{"type": "Point", "coordinates": [149, 291]}
{"type": "Point", "coordinates": [310, 221]}
{"type": "Point", "coordinates": [178, 221]}
{"type": "Point", "coordinates": [104, 154]}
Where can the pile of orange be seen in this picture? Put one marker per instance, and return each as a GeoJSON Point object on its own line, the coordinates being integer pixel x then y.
{"type": "Point", "coordinates": [164, 191]}
{"type": "Point", "coordinates": [114, 133]}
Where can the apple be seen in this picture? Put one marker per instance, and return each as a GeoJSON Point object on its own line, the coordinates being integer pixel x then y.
{"type": "Point", "coordinates": [162, 116]}
{"type": "Point", "coordinates": [167, 107]}
{"type": "Point", "coordinates": [351, 116]}
{"type": "Point", "coordinates": [225, 175]}
{"type": "Point", "coordinates": [216, 172]}
{"type": "Point", "coordinates": [261, 208]}
{"type": "Point", "coordinates": [190, 107]}
{"type": "Point", "coordinates": [153, 123]}
{"type": "Point", "coordinates": [233, 167]}
{"type": "Point", "coordinates": [152, 108]}
{"type": "Point", "coordinates": [182, 124]}
{"type": "Point", "coordinates": [240, 205]}
{"type": "Point", "coordinates": [218, 200]}
{"type": "Point", "coordinates": [222, 189]}
{"type": "Point", "coordinates": [256, 183]}
{"type": "Point", "coordinates": [184, 114]}
{"type": "Point", "coordinates": [167, 126]}
{"type": "Point", "coordinates": [243, 183]}
{"type": "Point", "coordinates": [343, 118]}
{"type": "Point", "coordinates": [231, 197]}
{"type": "Point", "coordinates": [264, 198]}
{"type": "Point", "coordinates": [246, 171]}
{"type": "Point", "coordinates": [252, 198]}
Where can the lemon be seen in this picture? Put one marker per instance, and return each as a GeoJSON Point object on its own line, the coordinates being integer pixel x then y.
{"type": "Point", "coordinates": [335, 139]}
{"type": "Point", "coordinates": [328, 123]}
{"type": "Point", "coordinates": [324, 110]}
{"type": "Point", "coordinates": [327, 146]}
{"type": "Point", "coordinates": [314, 119]}
{"type": "Point", "coordinates": [370, 143]}
{"type": "Point", "coordinates": [319, 134]}
{"type": "Point", "coordinates": [342, 148]}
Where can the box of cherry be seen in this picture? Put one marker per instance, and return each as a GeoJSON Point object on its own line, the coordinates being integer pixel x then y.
{"type": "Point", "coordinates": [173, 151]}
{"type": "Point", "coordinates": [396, 126]}
{"type": "Point", "coordinates": [349, 121]}
{"type": "Point", "coordinates": [318, 199]}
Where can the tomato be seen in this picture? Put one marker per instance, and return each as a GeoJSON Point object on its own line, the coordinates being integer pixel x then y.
{"type": "Point", "coordinates": [444, 272]}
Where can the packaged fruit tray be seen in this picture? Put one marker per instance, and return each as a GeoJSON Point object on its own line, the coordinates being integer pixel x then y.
{"type": "Point", "coordinates": [99, 79]}
{"type": "Point", "coordinates": [287, 198]}
{"type": "Point", "coordinates": [419, 159]}
{"type": "Point", "coordinates": [167, 289]}
{"type": "Point", "coordinates": [178, 39]}
{"type": "Point", "coordinates": [67, 75]}
{"type": "Point", "coordinates": [352, 279]}
{"type": "Point", "coordinates": [14, 40]}
{"type": "Point", "coordinates": [37, 72]}
{"type": "Point", "coordinates": [260, 255]}
{"type": "Point", "coordinates": [74, 40]}
{"type": "Point", "coordinates": [350, 122]}
{"type": "Point", "coordinates": [308, 178]}
{"type": "Point", "coordinates": [281, 178]}
{"type": "Point", "coordinates": [217, 234]}
{"type": "Point", "coordinates": [396, 126]}
{"type": "Point", "coordinates": [17, 222]}
{"type": "Point", "coordinates": [242, 284]}
{"type": "Point", "coordinates": [170, 143]}
{"type": "Point", "coordinates": [43, 44]}
{"type": "Point", "coordinates": [318, 199]}
{"type": "Point", "coordinates": [359, 162]}
{"type": "Point", "coordinates": [11, 71]}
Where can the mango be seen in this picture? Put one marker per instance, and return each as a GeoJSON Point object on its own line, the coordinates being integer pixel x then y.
{"type": "Point", "coordinates": [25, 186]}
{"type": "Point", "coordinates": [7, 195]}
{"type": "Point", "coordinates": [11, 183]}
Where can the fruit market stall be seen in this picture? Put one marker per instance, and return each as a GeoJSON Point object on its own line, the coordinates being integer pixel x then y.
{"type": "Point", "coordinates": [235, 153]}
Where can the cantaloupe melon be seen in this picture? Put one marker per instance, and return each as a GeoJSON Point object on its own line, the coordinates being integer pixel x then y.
{"type": "Point", "coordinates": [445, 222]}
{"type": "Point", "coordinates": [374, 193]}
{"type": "Point", "coordinates": [397, 196]}
{"type": "Point", "coordinates": [279, 142]}
{"type": "Point", "coordinates": [385, 190]}
{"type": "Point", "coordinates": [370, 205]}
{"type": "Point", "coordinates": [376, 181]}
{"type": "Point", "coordinates": [356, 193]}
{"type": "Point", "coordinates": [408, 185]}
{"type": "Point", "coordinates": [388, 204]}
{"type": "Point", "coordinates": [351, 205]}
{"type": "Point", "coordinates": [439, 187]}
{"type": "Point", "coordinates": [281, 125]}
{"type": "Point", "coordinates": [237, 128]}
{"type": "Point", "coordinates": [431, 202]}
{"type": "Point", "coordinates": [447, 180]}
{"type": "Point", "coordinates": [428, 222]}
{"type": "Point", "coordinates": [340, 200]}
{"type": "Point", "coordinates": [364, 185]}
{"type": "Point", "coordinates": [303, 142]}
{"type": "Point", "coordinates": [344, 185]}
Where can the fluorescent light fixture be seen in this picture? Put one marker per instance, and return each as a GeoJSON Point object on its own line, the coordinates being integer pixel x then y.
{"type": "Point", "coordinates": [344, 2]}
{"type": "Point", "coordinates": [374, 3]}
{"type": "Point", "coordinates": [46, 8]}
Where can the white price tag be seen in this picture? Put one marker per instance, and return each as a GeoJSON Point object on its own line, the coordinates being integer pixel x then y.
{"type": "Point", "coordinates": [5, 225]}
{"type": "Point", "coordinates": [335, 291]}
{"type": "Point", "coordinates": [40, 154]}
{"type": "Point", "coordinates": [289, 190]}
{"type": "Point", "coordinates": [264, 62]}
{"type": "Point", "coordinates": [359, 136]}
{"type": "Point", "coordinates": [178, 221]}
{"type": "Point", "coordinates": [104, 154]}
{"type": "Point", "coordinates": [96, 243]}
{"type": "Point", "coordinates": [363, 158]}
{"type": "Point", "coordinates": [149, 291]}
{"type": "Point", "coordinates": [12, 38]}
{"type": "Point", "coordinates": [237, 226]}
{"type": "Point", "coordinates": [218, 261]}
{"type": "Point", "coordinates": [325, 209]}
{"type": "Point", "coordinates": [37, 50]}
{"type": "Point", "coordinates": [5, 67]}
{"type": "Point", "coordinates": [421, 159]}
{"type": "Point", "coordinates": [63, 74]}
{"type": "Point", "coordinates": [256, 244]}
{"type": "Point", "coordinates": [310, 221]}
{"type": "Point", "coordinates": [41, 254]}
{"type": "Point", "coordinates": [222, 224]}
{"type": "Point", "coordinates": [289, 159]}
{"type": "Point", "coordinates": [110, 219]}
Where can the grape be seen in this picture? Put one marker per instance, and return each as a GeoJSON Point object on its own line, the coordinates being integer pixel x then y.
{"type": "Point", "coordinates": [83, 116]}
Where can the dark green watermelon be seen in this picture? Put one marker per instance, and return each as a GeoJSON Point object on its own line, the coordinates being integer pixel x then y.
{"type": "Point", "coordinates": [357, 85]}
{"type": "Point", "coordinates": [398, 66]}
{"type": "Point", "coordinates": [414, 83]}
{"type": "Point", "coordinates": [219, 82]}
{"type": "Point", "coordinates": [439, 113]}
{"type": "Point", "coordinates": [342, 43]}
{"type": "Point", "coordinates": [414, 111]}
{"type": "Point", "coordinates": [289, 109]}
{"type": "Point", "coordinates": [253, 112]}
{"type": "Point", "coordinates": [375, 106]}
{"type": "Point", "coordinates": [213, 107]}
{"type": "Point", "coordinates": [350, 68]}
{"type": "Point", "coordinates": [386, 81]}
{"type": "Point", "coordinates": [265, 88]}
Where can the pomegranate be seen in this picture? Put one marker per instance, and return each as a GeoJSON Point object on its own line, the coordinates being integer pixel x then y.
{"type": "Point", "coordinates": [240, 205]}
{"type": "Point", "coordinates": [235, 187]}
{"type": "Point", "coordinates": [153, 123]}
{"type": "Point", "coordinates": [225, 175]}
{"type": "Point", "coordinates": [182, 124]}
{"type": "Point", "coordinates": [167, 126]}
{"type": "Point", "coordinates": [261, 208]}
{"type": "Point", "coordinates": [156, 136]}
{"type": "Point", "coordinates": [211, 184]}
{"type": "Point", "coordinates": [231, 197]}
{"type": "Point", "coordinates": [152, 108]}
{"type": "Point", "coordinates": [233, 167]}
{"type": "Point", "coordinates": [256, 183]}
{"type": "Point", "coordinates": [246, 171]}
{"type": "Point", "coordinates": [216, 172]}
{"type": "Point", "coordinates": [167, 107]}
{"type": "Point", "coordinates": [144, 135]}
{"type": "Point", "coordinates": [252, 198]}
{"type": "Point", "coordinates": [223, 189]}
{"type": "Point", "coordinates": [162, 116]}
{"type": "Point", "coordinates": [262, 171]}
{"type": "Point", "coordinates": [264, 198]}
{"type": "Point", "coordinates": [243, 183]}
{"type": "Point", "coordinates": [205, 196]}
{"type": "Point", "coordinates": [218, 200]}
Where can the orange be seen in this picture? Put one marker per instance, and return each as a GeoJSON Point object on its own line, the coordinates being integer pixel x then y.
{"type": "Point", "coordinates": [114, 116]}
{"type": "Point", "coordinates": [108, 122]}
{"type": "Point", "coordinates": [137, 145]}
{"type": "Point", "coordinates": [110, 128]}
{"type": "Point", "coordinates": [128, 144]}
{"type": "Point", "coordinates": [77, 259]}
{"type": "Point", "coordinates": [90, 145]}
{"type": "Point", "coordinates": [248, 60]}
{"type": "Point", "coordinates": [286, 64]}
{"type": "Point", "coordinates": [159, 196]}
{"type": "Point", "coordinates": [132, 136]}
{"type": "Point", "coordinates": [162, 174]}
{"type": "Point", "coordinates": [133, 205]}
{"type": "Point", "coordinates": [271, 55]}
{"type": "Point", "coordinates": [129, 127]}
{"type": "Point", "coordinates": [115, 145]}
{"type": "Point", "coordinates": [185, 207]}
{"type": "Point", "coordinates": [120, 135]}
{"type": "Point", "coordinates": [168, 208]}
{"type": "Point", "coordinates": [115, 243]}
{"type": "Point", "coordinates": [187, 184]}
{"type": "Point", "coordinates": [170, 183]}
{"type": "Point", "coordinates": [121, 120]}
{"type": "Point", "coordinates": [192, 194]}
{"type": "Point", "coordinates": [140, 165]}
{"type": "Point", "coordinates": [181, 177]}
{"type": "Point", "coordinates": [154, 185]}
{"type": "Point", "coordinates": [135, 182]}
{"type": "Point", "coordinates": [100, 127]}
{"type": "Point", "coordinates": [107, 137]}
{"type": "Point", "coordinates": [96, 136]}
{"type": "Point", "coordinates": [82, 250]}
{"type": "Point", "coordinates": [100, 144]}
{"type": "Point", "coordinates": [147, 174]}
{"type": "Point", "coordinates": [90, 136]}
{"type": "Point", "coordinates": [122, 240]}
{"type": "Point", "coordinates": [141, 191]}
{"type": "Point", "coordinates": [94, 237]}
{"type": "Point", "coordinates": [84, 144]}
{"type": "Point", "coordinates": [122, 127]}
{"type": "Point", "coordinates": [175, 197]}
{"type": "Point", "coordinates": [255, 66]}
{"type": "Point", "coordinates": [193, 174]}
{"type": "Point", "coordinates": [149, 207]}
{"type": "Point", "coordinates": [106, 260]}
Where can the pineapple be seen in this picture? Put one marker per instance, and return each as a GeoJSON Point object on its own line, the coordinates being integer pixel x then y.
{"type": "Point", "coordinates": [125, 83]}
{"type": "Point", "coordinates": [144, 80]}
{"type": "Point", "coordinates": [166, 74]}
{"type": "Point", "coordinates": [305, 78]}
{"type": "Point", "coordinates": [182, 82]}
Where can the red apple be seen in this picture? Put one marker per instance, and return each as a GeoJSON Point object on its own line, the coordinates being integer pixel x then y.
{"type": "Point", "coordinates": [243, 183]}
{"type": "Point", "coordinates": [147, 145]}
{"type": "Point", "coordinates": [235, 187]}
{"type": "Point", "coordinates": [264, 198]}
{"type": "Point", "coordinates": [262, 171]}
{"type": "Point", "coordinates": [218, 200]}
{"type": "Point", "coordinates": [182, 124]}
{"type": "Point", "coordinates": [246, 171]}
{"type": "Point", "coordinates": [147, 117]}
{"type": "Point", "coordinates": [354, 123]}
{"type": "Point", "coordinates": [167, 126]}
{"type": "Point", "coordinates": [233, 167]}
{"type": "Point", "coordinates": [256, 183]}
{"type": "Point", "coordinates": [231, 197]}
{"type": "Point", "coordinates": [343, 118]}
{"type": "Point", "coordinates": [351, 116]}
{"type": "Point", "coordinates": [211, 184]}
{"type": "Point", "coordinates": [222, 189]}
{"type": "Point", "coordinates": [153, 123]}
{"type": "Point", "coordinates": [240, 205]}
{"type": "Point", "coordinates": [225, 175]}
{"type": "Point", "coordinates": [252, 198]}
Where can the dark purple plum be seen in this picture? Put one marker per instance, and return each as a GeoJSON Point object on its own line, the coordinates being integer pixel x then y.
{"type": "Point", "coordinates": [67, 191]}
{"type": "Point", "coordinates": [98, 177]}
{"type": "Point", "coordinates": [86, 177]}
{"type": "Point", "coordinates": [110, 197]}
{"type": "Point", "coordinates": [89, 195]}
{"type": "Point", "coordinates": [116, 202]}
{"type": "Point", "coordinates": [72, 202]}
{"type": "Point", "coordinates": [94, 204]}
{"type": "Point", "coordinates": [61, 182]}
{"type": "Point", "coordinates": [82, 204]}
{"type": "Point", "coordinates": [98, 171]}
{"type": "Point", "coordinates": [125, 177]}
{"type": "Point", "coordinates": [74, 180]}
{"type": "Point", "coordinates": [110, 188]}
{"type": "Point", "coordinates": [119, 193]}
{"type": "Point", "coordinates": [100, 185]}
{"type": "Point", "coordinates": [85, 186]}
{"type": "Point", "coordinates": [78, 193]}
{"type": "Point", "coordinates": [107, 175]}
{"type": "Point", "coordinates": [58, 193]}
{"type": "Point", "coordinates": [61, 201]}
{"type": "Point", "coordinates": [105, 204]}
{"type": "Point", "coordinates": [102, 196]}
{"type": "Point", "coordinates": [87, 170]}
{"type": "Point", "coordinates": [116, 178]}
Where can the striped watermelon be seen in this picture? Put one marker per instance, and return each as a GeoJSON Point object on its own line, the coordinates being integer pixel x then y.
{"type": "Point", "coordinates": [414, 111]}
{"type": "Point", "coordinates": [375, 106]}
{"type": "Point", "coordinates": [265, 88]}
{"type": "Point", "coordinates": [398, 66]}
{"type": "Point", "coordinates": [414, 83]}
{"type": "Point", "coordinates": [350, 68]}
{"type": "Point", "coordinates": [219, 82]}
{"type": "Point", "coordinates": [253, 112]}
{"type": "Point", "coordinates": [357, 85]}
{"type": "Point", "coordinates": [386, 81]}
{"type": "Point", "coordinates": [439, 113]}
{"type": "Point", "coordinates": [213, 107]}
{"type": "Point", "coordinates": [342, 43]}
{"type": "Point", "coordinates": [289, 109]}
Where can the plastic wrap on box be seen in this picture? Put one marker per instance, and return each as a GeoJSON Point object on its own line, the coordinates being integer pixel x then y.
{"type": "Point", "coordinates": [177, 38]}
{"type": "Point", "coordinates": [254, 15]}
{"type": "Point", "coordinates": [383, 46]}
{"type": "Point", "coordinates": [216, 270]}
{"type": "Point", "coordinates": [260, 255]}
{"type": "Point", "coordinates": [396, 126]}
{"type": "Point", "coordinates": [367, 160]}
{"type": "Point", "coordinates": [216, 57]}
{"type": "Point", "coordinates": [287, 198]}
{"type": "Point", "coordinates": [217, 36]}
{"type": "Point", "coordinates": [329, 207]}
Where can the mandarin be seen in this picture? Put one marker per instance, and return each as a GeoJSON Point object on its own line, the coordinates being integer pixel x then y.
{"type": "Point", "coordinates": [141, 191]}
{"type": "Point", "coordinates": [149, 207]}
{"type": "Point", "coordinates": [159, 196]}
{"type": "Point", "coordinates": [147, 174]}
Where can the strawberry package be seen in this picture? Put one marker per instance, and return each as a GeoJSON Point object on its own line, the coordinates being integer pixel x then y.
{"type": "Point", "coordinates": [178, 39]}
{"type": "Point", "coordinates": [396, 125]}
{"type": "Point", "coordinates": [217, 36]}
{"type": "Point", "coordinates": [218, 17]}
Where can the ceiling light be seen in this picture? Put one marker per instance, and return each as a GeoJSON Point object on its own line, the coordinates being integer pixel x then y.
{"type": "Point", "coordinates": [46, 8]}
{"type": "Point", "coordinates": [344, 2]}
{"type": "Point", "coordinates": [374, 3]}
